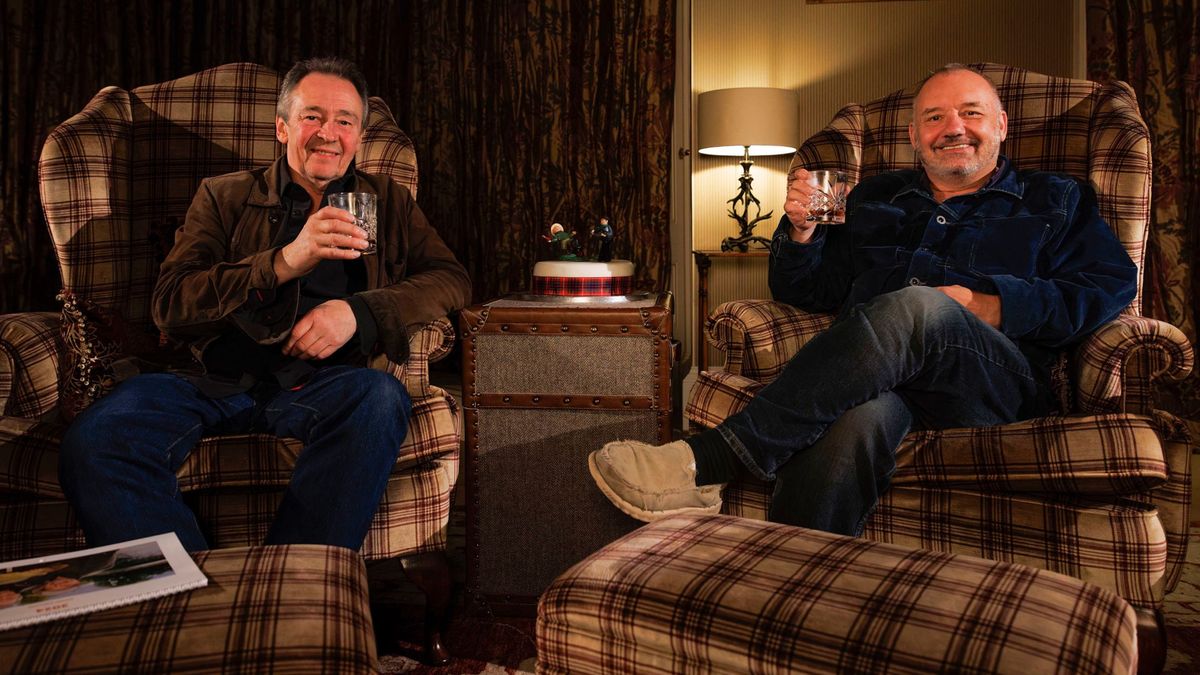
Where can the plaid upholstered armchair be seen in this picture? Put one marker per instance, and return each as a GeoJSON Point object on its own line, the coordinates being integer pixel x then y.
{"type": "Point", "coordinates": [116, 180]}
{"type": "Point", "coordinates": [1100, 493]}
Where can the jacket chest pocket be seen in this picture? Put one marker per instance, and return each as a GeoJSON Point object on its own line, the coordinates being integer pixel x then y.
{"type": "Point", "coordinates": [254, 232]}
{"type": "Point", "coordinates": [1005, 245]}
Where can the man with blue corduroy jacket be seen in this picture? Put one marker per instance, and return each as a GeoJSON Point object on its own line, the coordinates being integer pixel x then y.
{"type": "Point", "coordinates": [957, 287]}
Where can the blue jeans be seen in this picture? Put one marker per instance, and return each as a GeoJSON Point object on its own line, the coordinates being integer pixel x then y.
{"type": "Point", "coordinates": [120, 456]}
{"type": "Point", "coordinates": [826, 430]}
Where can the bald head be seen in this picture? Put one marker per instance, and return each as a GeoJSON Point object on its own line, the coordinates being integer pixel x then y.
{"type": "Point", "coordinates": [957, 127]}
{"type": "Point", "coordinates": [950, 68]}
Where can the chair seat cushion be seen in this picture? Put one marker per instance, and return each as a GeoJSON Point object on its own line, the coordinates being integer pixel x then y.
{"type": "Point", "coordinates": [234, 483]}
{"type": "Point", "coordinates": [722, 594]}
{"type": "Point", "coordinates": [1089, 539]}
{"type": "Point", "coordinates": [29, 453]}
{"type": "Point", "coordinates": [270, 608]}
{"type": "Point", "coordinates": [1115, 454]}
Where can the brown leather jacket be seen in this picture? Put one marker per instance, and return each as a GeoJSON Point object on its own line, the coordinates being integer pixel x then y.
{"type": "Point", "coordinates": [223, 253]}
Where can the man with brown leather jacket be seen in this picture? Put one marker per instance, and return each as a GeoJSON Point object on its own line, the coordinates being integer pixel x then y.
{"type": "Point", "coordinates": [282, 309]}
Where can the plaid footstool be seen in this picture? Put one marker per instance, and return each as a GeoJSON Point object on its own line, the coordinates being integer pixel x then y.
{"type": "Point", "coordinates": [294, 609]}
{"type": "Point", "coordinates": [721, 594]}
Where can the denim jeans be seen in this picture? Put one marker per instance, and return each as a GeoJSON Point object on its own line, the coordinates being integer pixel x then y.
{"type": "Point", "coordinates": [119, 457]}
{"type": "Point", "coordinates": [826, 430]}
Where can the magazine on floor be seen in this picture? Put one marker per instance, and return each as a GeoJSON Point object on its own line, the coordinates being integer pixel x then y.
{"type": "Point", "coordinates": [52, 587]}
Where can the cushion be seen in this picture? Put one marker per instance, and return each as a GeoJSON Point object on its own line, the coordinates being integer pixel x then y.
{"type": "Point", "coordinates": [722, 594]}
{"type": "Point", "coordinates": [270, 608]}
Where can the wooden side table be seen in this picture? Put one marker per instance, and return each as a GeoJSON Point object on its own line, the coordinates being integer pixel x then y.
{"type": "Point", "coordinates": [703, 262]}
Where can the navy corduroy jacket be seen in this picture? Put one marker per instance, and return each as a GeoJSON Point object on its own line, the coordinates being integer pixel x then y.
{"type": "Point", "coordinates": [1035, 239]}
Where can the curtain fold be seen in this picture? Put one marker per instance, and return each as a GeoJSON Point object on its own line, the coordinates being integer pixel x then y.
{"type": "Point", "coordinates": [1154, 45]}
{"type": "Point", "coordinates": [541, 112]}
{"type": "Point", "coordinates": [523, 112]}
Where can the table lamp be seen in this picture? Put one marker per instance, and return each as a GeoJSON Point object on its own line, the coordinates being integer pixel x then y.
{"type": "Point", "coordinates": [747, 121]}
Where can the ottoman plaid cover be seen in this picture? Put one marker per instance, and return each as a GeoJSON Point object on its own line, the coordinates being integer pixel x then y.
{"type": "Point", "coordinates": [722, 594]}
{"type": "Point", "coordinates": [294, 609]}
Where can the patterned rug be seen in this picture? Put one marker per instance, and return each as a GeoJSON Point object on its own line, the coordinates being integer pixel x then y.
{"type": "Point", "coordinates": [478, 645]}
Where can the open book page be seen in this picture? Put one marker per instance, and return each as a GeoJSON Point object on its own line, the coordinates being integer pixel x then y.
{"type": "Point", "coordinates": [43, 589]}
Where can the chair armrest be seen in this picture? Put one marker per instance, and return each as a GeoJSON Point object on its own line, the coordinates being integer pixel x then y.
{"type": "Point", "coordinates": [1109, 455]}
{"type": "Point", "coordinates": [1116, 367]}
{"type": "Point", "coordinates": [30, 349]}
{"type": "Point", "coordinates": [759, 337]}
{"type": "Point", "coordinates": [429, 344]}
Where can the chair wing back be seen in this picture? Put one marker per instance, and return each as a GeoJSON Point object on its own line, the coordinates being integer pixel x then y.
{"type": "Point", "coordinates": [1090, 131]}
{"type": "Point", "coordinates": [117, 178]}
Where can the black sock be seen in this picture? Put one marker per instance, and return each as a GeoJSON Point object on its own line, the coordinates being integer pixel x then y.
{"type": "Point", "coordinates": [715, 461]}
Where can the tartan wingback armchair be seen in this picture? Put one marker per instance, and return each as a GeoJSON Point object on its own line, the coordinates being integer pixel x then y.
{"type": "Point", "coordinates": [1100, 493]}
{"type": "Point", "coordinates": [116, 180]}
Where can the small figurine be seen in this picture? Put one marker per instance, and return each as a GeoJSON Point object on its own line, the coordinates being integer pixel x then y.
{"type": "Point", "coordinates": [563, 245]}
{"type": "Point", "coordinates": [602, 241]}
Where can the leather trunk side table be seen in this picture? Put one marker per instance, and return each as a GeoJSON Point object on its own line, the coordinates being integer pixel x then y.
{"type": "Point", "coordinates": [545, 382]}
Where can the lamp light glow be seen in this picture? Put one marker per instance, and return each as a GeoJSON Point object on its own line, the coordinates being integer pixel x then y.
{"type": "Point", "coordinates": [746, 122]}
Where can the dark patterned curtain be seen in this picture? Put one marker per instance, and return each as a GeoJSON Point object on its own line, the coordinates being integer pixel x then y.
{"type": "Point", "coordinates": [1155, 46]}
{"type": "Point", "coordinates": [538, 112]}
{"type": "Point", "coordinates": [522, 112]}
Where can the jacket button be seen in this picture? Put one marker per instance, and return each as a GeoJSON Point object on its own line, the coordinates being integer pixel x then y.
{"type": "Point", "coordinates": [914, 282]}
{"type": "Point", "coordinates": [941, 220]}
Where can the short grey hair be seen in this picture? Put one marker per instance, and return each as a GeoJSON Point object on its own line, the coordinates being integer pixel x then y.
{"type": "Point", "coordinates": [326, 65]}
{"type": "Point", "coordinates": [955, 67]}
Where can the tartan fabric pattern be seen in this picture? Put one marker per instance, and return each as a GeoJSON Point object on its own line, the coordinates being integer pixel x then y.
{"type": "Point", "coordinates": [28, 461]}
{"type": "Point", "coordinates": [1115, 365]}
{"type": "Point", "coordinates": [717, 394]}
{"type": "Point", "coordinates": [1093, 455]}
{"type": "Point", "coordinates": [234, 484]}
{"type": "Point", "coordinates": [412, 517]}
{"type": "Point", "coordinates": [415, 511]}
{"type": "Point", "coordinates": [720, 594]}
{"type": "Point", "coordinates": [759, 337]}
{"type": "Point", "coordinates": [1119, 458]}
{"type": "Point", "coordinates": [1115, 474]}
{"type": "Point", "coordinates": [1173, 499]}
{"type": "Point", "coordinates": [38, 527]}
{"type": "Point", "coordinates": [84, 178]}
{"type": "Point", "coordinates": [116, 180]}
{"type": "Point", "coordinates": [585, 286]}
{"type": "Point", "coordinates": [1101, 455]}
{"type": "Point", "coordinates": [1118, 545]}
{"type": "Point", "coordinates": [428, 345]}
{"type": "Point", "coordinates": [295, 609]}
{"type": "Point", "coordinates": [29, 352]}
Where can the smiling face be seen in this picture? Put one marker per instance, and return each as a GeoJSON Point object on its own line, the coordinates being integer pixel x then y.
{"type": "Point", "coordinates": [322, 130]}
{"type": "Point", "coordinates": [957, 128]}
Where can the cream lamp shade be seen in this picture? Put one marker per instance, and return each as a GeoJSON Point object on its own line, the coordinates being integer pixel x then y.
{"type": "Point", "coordinates": [763, 119]}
